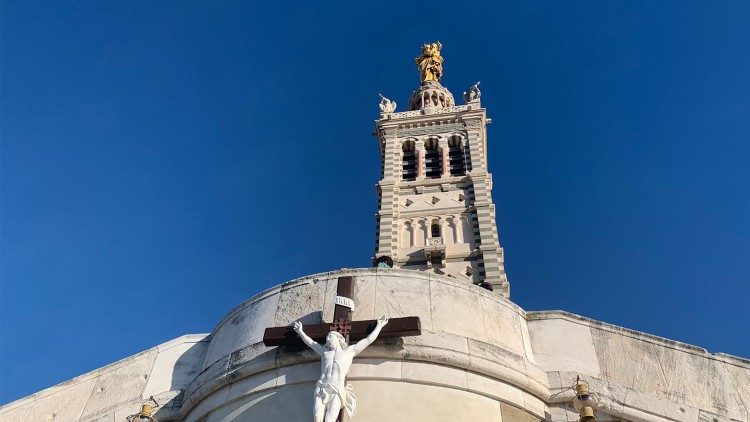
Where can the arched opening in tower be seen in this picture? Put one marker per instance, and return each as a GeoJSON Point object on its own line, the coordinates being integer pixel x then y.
{"type": "Point", "coordinates": [409, 167]}
{"type": "Point", "coordinates": [456, 156]}
{"type": "Point", "coordinates": [432, 159]}
{"type": "Point", "coordinates": [435, 230]}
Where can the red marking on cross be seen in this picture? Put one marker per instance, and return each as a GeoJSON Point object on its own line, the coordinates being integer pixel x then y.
{"type": "Point", "coordinates": [342, 326]}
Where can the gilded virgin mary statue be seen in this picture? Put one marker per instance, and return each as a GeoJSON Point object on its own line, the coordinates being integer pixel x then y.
{"type": "Point", "coordinates": [430, 63]}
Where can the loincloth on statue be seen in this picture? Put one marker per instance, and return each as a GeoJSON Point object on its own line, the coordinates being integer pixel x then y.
{"type": "Point", "coordinates": [326, 392]}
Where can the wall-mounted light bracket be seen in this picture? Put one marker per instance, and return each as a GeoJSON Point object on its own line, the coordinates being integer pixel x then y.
{"type": "Point", "coordinates": [584, 401]}
{"type": "Point", "coordinates": [146, 413]}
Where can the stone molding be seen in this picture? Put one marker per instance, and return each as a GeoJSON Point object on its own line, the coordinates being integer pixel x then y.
{"type": "Point", "coordinates": [474, 117]}
{"type": "Point", "coordinates": [657, 340]}
{"type": "Point", "coordinates": [431, 111]}
{"type": "Point", "coordinates": [372, 368]}
{"type": "Point", "coordinates": [417, 275]}
{"type": "Point", "coordinates": [431, 130]}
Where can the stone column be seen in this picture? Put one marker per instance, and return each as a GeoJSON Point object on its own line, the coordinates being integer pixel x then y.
{"type": "Point", "coordinates": [467, 235]}
{"type": "Point", "coordinates": [419, 153]}
{"type": "Point", "coordinates": [454, 229]}
{"type": "Point", "coordinates": [445, 161]}
{"type": "Point", "coordinates": [444, 230]}
{"type": "Point", "coordinates": [408, 234]}
{"type": "Point", "coordinates": [423, 232]}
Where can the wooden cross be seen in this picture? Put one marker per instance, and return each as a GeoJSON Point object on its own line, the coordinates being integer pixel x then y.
{"type": "Point", "coordinates": [342, 322]}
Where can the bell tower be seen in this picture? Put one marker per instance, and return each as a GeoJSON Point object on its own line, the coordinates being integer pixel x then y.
{"type": "Point", "coordinates": [435, 209]}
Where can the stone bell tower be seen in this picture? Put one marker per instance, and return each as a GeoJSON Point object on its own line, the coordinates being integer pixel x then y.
{"type": "Point", "coordinates": [435, 209]}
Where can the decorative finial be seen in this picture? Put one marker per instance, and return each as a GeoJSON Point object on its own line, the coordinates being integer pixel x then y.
{"type": "Point", "coordinates": [386, 106]}
{"type": "Point", "coordinates": [430, 63]}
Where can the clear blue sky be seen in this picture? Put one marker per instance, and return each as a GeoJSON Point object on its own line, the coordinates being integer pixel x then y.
{"type": "Point", "coordinates": [164, 161]}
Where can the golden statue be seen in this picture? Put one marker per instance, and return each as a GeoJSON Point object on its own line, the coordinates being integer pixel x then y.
{"type": "Point", "coordinates": [430, 63]}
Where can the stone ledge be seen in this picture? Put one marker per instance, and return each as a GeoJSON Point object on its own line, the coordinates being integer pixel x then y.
{"type": "Point", "coordinates": [639, 335]}
{"type": "Point", "coordinates": [391, 120]}
{"type": "Point", "coordinates": [115, 389]}
{"type": "Point", "coordinates": [329, 275]}
{"type": "Point", "coordinates": [187, 338]}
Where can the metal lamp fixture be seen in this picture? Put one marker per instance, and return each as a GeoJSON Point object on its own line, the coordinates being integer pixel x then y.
{"type": "Point", "coordinates": [584, 402]}
{"type": "Point", "coordinates": [147, 410]}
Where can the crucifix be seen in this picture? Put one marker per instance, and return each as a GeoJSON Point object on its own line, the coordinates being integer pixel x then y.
{"type": "Point", "coordinates": [332, 393]}
{"type": "Point", "coordinates": [342, 323]}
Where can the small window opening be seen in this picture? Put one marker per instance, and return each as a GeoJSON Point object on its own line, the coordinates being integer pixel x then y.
{"type": "Point", "coordinates": [435, 229]}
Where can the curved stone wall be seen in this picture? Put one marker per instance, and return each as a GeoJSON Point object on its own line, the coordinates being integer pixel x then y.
{"type": "Point", "coordinates": [386, 390]}
{"type": "Point", "coordinates": [475, 346]}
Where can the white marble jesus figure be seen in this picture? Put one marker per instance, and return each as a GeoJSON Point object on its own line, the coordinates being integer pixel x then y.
{"type": "Point", "coordinates": [331, 391]}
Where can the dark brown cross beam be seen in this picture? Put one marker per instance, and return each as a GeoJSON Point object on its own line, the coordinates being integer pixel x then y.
{"type": "Point", "coordinates": [342, 322]}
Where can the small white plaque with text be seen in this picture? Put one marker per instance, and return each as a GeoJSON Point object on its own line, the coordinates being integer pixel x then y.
{"type": "Point", "coordinates": [344, 301]}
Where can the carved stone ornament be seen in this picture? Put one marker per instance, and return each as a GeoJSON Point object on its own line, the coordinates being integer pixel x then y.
{"type": "Point", "coordinates": [432, 130]}
{"type": "Point", "coordinates": [473, 93]}
{"type": "Point", "coordinates": [386, 106]}
{"type": "Point", "coordinates": [421, 112]}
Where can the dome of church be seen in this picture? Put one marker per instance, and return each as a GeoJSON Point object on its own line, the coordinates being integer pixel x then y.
{"type": "Point", "coordinates": [431, 95]}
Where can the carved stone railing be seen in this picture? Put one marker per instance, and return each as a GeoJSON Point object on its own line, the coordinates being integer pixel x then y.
{"type": "Point", "coordinates": [434, 241]}
{"type": "Point", "coordinates": [403, 114]}
{"type": "Point", "coordinates": [427, 111]}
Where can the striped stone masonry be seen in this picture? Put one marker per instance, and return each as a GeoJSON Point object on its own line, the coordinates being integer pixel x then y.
{"type": "Point", "coordinates": [436, 211]}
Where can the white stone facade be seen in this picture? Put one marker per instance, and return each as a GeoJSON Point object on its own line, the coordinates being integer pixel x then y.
{"type": "Point", "coordinates": [480, 358]}
{"type": "Point", "coordinates": [435, 208]}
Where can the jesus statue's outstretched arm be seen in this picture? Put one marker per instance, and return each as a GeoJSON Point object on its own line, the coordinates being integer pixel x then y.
{"type": "Point", "coordinates": [307, 340]}
{"type": "Point", "coordinates": [362, 344]}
